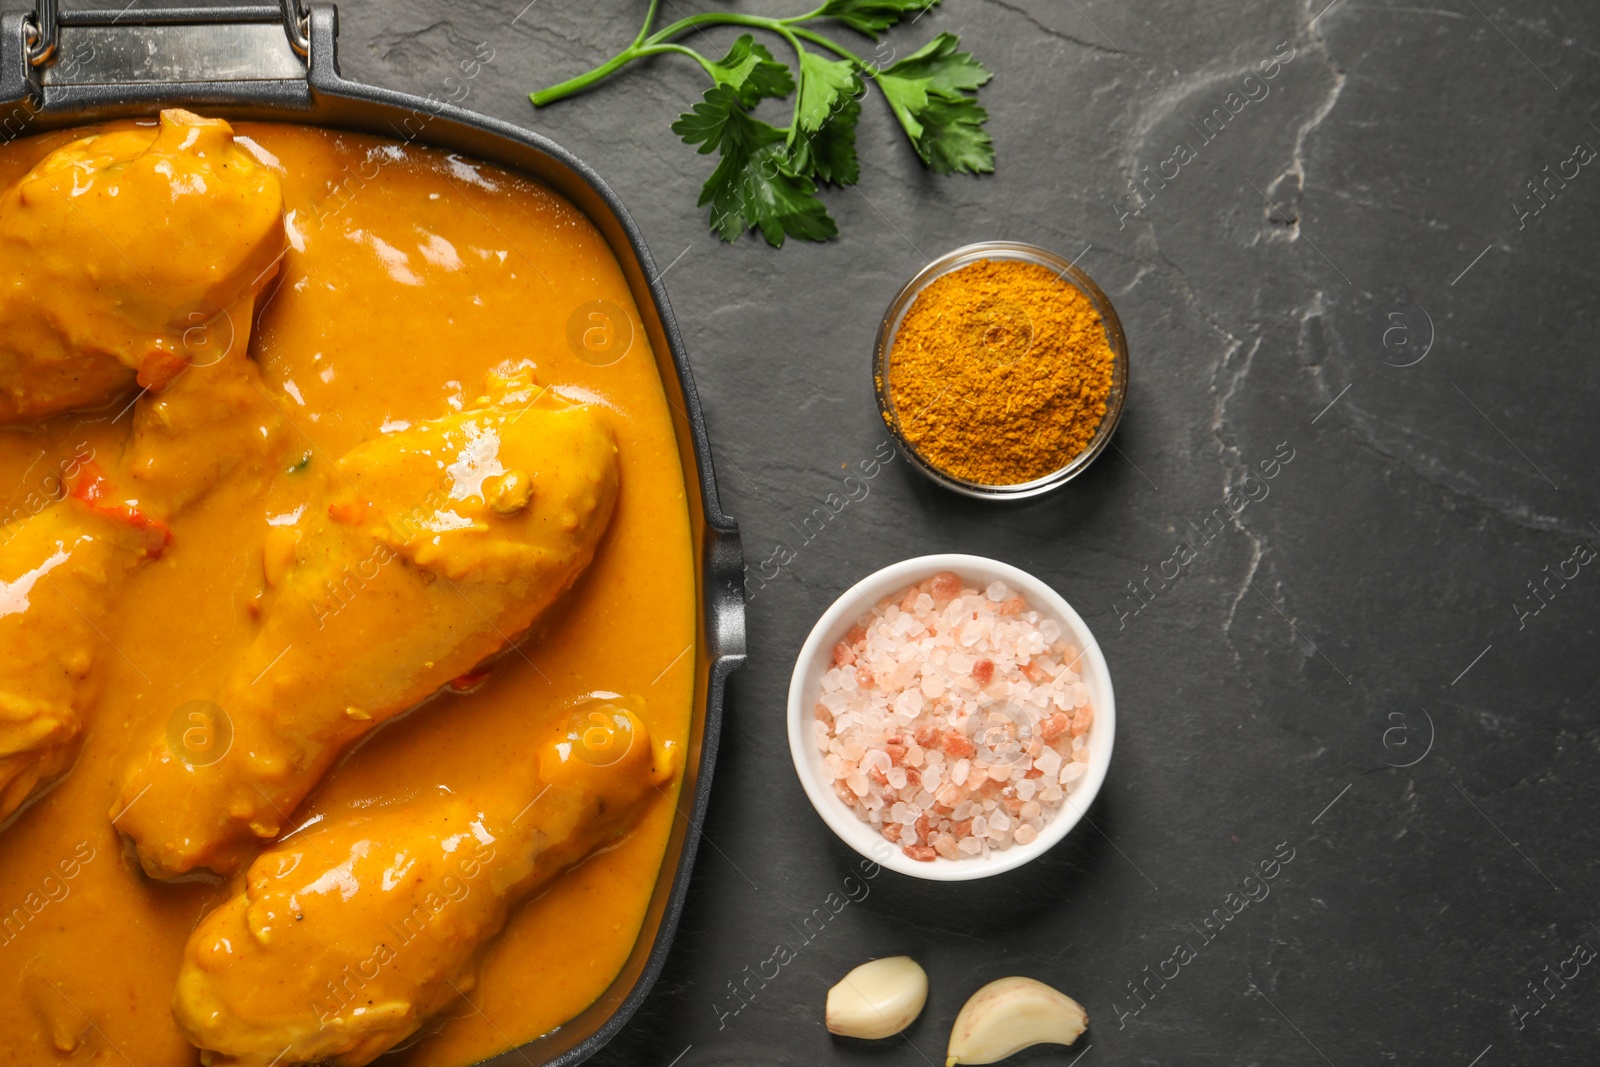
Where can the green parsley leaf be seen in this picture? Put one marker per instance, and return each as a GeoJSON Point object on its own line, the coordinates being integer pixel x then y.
{"type": "Point", "coordinates": [829, 154]}
{"type": "Point", "coordinates": [753, 186]}
{"type": "Point", "coordinates": [751, 72]}
{"type": "Point", "coordinates": [928, 92]}
{"type": "Point", "coordinates": [822, 142]}
{"type": "Point", "coordinates": [825, 86]}
{"type": "Point", "coordinates": [872, 16]}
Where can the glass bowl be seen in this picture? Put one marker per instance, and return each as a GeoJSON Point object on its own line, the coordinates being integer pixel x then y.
{"type": "Point", "coordinates": [966, 256]}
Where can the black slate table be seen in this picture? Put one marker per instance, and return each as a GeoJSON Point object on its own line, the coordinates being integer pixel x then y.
{"type": "Point", "coordinates": [1350, 267]}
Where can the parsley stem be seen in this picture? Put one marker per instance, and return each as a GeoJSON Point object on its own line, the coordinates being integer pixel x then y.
{"type": "Point", "coordinates": [807, 17]}
{"type": "Point", "coordinates": [650, 44]}
{"type": "Point", "coordinates": [833, 46]}
{"type": "Point", "coordinates": [655, 49]}
{"type": "Point", "coordinates": [621, 59]}
{"type": "Point", "coordinates": [583, 81]}
{"type": "Point", "coordinates": [726, 18]}
{"type": "Point", "coordinates": [649, 20]}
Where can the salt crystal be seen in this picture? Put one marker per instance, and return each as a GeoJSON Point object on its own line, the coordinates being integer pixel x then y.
{"type": "Point", "coordinates": [1072, 772]}
{"type": "Point", "coordinates": [970, 846]}
{"type": "Point", "coordinates": [980, 826]}
{"type": "Point", "coordinates": [958, 773]}
{"type": "Point", "coordinates": [997, 592]}
{"type": "Point", "coordinates": [932, 685]}
{"type": "Point", "coordinates": [1026, 835]}
{"type": "Point", "coordinates": [1025, 789]}
{"type": "Point", "coordinates": [932, 777]}
{"type": "Point", "coordinates": [897, 777]}
{"type": "Point", "coordinates": [857, 783]}
{"type": "Point", "coordinates": [1000, 821]}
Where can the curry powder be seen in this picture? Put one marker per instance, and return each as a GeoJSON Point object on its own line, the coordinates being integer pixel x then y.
{"type": "Point", "coordinates": [999, 373]}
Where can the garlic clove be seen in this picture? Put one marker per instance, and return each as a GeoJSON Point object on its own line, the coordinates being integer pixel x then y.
{"type": "Point", "coordinates": [877, 999]}
{"type": "Point", "coordinates": [1009, 1015]}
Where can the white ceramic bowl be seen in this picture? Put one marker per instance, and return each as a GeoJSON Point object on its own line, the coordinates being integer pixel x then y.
{"type": "Point", "coordinates": [816, 657]}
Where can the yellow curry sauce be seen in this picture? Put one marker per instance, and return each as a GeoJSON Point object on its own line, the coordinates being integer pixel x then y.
{"type": "Point", "coordinates": [410, 275]}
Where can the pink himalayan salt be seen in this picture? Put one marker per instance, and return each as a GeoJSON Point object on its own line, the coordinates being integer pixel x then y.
{"type": "Point", "coordinates": [954, 721]}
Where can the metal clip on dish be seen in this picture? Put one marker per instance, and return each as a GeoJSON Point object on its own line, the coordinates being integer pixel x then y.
{"type": "Point", "coordinates": [98, 58]}
{"type": "Point", "coordinates": [279, 62]}
{"type": "Point", "coordinates": [43, 28]}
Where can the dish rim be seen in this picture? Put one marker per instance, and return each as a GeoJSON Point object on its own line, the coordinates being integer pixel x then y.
{"type": "Point", "coordinates": [830, 628]}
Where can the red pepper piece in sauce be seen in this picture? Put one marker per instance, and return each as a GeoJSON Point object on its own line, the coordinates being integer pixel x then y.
{"type": "Point", "coordinates": [93, 489]}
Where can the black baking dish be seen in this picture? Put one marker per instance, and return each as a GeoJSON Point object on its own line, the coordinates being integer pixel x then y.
{"type": "Point", "coordinates": [273, 63]}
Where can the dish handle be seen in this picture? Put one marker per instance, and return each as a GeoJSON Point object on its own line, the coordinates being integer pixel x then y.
{"type": "Point", "coordinates": [725, 622]}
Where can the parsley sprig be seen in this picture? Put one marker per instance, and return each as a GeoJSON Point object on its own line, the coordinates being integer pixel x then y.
{"type": "Point", "coordinates": [767, 177]}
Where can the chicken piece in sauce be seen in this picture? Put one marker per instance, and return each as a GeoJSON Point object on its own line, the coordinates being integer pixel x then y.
{"type": "Point", "coordinates": [59, 571]}
{"type": "Point", "coordinates": [350, 935]}
{"type": "Point", "coordinates": [427, 551]}
{"type": "Point", "coordinates": [123, 255]}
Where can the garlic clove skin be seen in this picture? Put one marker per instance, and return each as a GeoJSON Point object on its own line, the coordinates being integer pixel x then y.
{"type": "Point", "coordinates": [1009, 1015]}
{"type": "Point", "coordinates": [877, 999]}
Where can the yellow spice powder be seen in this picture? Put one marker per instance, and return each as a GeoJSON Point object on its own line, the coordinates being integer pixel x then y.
{"type": "Point", "coordinates": [999, 372]}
